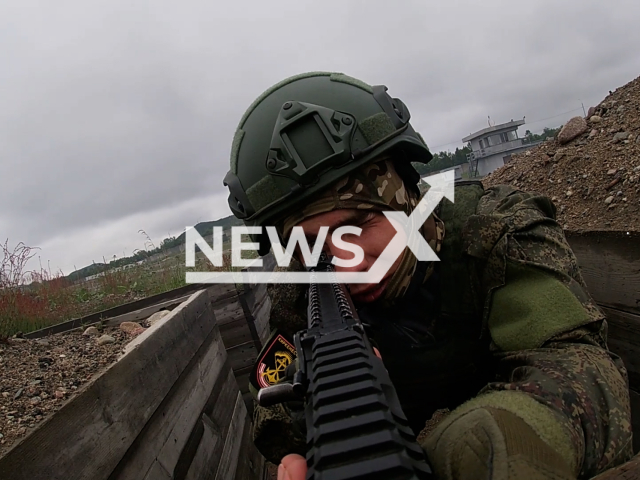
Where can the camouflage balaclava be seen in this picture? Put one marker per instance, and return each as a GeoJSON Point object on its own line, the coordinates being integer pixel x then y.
{"type": "Point", "coordinates": [377, 187]}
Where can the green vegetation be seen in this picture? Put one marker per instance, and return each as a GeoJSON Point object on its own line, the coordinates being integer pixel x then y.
{"type": "Point", "coordinates": [31, 300]}
{"type": "Point", "coordinates": [546, 133]}
{"type": "Point", "coordinates": [203, 228]}
{"type": "Point", "coordinates": [443, 160]}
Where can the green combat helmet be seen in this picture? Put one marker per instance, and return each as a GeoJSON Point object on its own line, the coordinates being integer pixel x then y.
{"type": "Point", "coordinates": [305, 133]}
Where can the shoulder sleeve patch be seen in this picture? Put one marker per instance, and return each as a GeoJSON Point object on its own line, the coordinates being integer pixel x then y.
{"type": "Point", "coordinates": [531, 308]}
{"type": "Point", "coordinates": [277, 354]}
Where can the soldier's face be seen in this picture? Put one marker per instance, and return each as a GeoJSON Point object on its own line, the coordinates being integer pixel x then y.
{"type": "Point", "coordinates": [376, 234]}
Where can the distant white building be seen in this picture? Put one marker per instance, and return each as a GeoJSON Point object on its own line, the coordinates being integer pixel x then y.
{"type": "Point", "coordinates": [492, 147]}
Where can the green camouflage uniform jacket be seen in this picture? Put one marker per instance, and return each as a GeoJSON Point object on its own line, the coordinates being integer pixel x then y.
{"type": "Point", "coordinates": [506, 311]}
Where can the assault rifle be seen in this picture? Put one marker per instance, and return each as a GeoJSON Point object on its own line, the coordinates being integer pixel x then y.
{"type": "Point", "coordinates": [355, 425]}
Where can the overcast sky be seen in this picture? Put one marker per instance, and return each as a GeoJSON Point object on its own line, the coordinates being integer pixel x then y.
{"type": "Point", "coordinates": [118, 115]}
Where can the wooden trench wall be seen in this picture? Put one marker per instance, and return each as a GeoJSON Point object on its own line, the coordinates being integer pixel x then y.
{"type": "Point", "coordinates": [174, 406]}
{"type": "Point", "coordinates": [177, 406]}
{"type": "Point", "coordinates": [610, 266]}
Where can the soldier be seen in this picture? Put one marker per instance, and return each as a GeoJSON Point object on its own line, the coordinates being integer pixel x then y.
{"type": "Point", "coordinates": [501, 331]}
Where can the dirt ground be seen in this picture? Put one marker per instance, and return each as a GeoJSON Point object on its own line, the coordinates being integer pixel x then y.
{"type": "Point", "coordinates": [40, 375]}
{"type": "Point", "coordinates": [594, 179]}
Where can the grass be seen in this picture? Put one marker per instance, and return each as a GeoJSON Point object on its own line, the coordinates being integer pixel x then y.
{"type": "Point", "coordinates": [30, 300]}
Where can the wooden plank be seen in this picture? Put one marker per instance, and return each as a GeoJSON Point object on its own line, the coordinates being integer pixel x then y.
{"type": "Point", "coordinates": [242, 377]}
{"type": "Point", "coordinates": [168, 430]}
{"type": "Point", "coordinates": [260, 306]}
{"type": "Point", "coordinates": [157, 472]}
{"type": "Point", "coordinates": [255, 294]}
{"type": "Point", "coordinates": [201, 455]}
{"type": "Point", "coordinates": [203, 466]}
{"type": "Point", "coordinates": [98, 426]}
{"type": "Point", "coordinates": [263, 314]}
{"type": "Point", "coordinates": [233, 441]}
{"type": "Point", "coordinates": [112, 312]}
{"type": "Point", "coordinates": [194, 403]}
{"type": "Point", "coordinates": [229, 313]}
{"type": "Point", "coordinates": [222, 294]}
{"type": "Point", "coordinates": [145, 312]}
{"type": "Point", "coordinates": [235, 333]}
{"type": "Point", "coordinates": [241, 356]}
{"type": "Point", "coordinates": [624, 340]}
{"type": "Point", "coordinates": [250, 320]}
{"type": "Point", "coordinates": [222, 290]}
{"type": "Point", "coordinates": [247, 398]}
{"type": "Point", "coordinates": [250, 462]}
{"type": "Point", "coordinates": [610, 265]}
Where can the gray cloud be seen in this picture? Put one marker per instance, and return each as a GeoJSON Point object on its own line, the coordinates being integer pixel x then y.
{"type": "Point", "coordinates": [116, 116]}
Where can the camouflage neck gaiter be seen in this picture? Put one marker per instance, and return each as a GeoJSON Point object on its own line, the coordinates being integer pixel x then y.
{"type": "Point", "coordinates": [378, 187]}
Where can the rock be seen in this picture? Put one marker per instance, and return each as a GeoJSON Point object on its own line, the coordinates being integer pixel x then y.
{"type": "Point", "coordinates": [595, 119]}
{"type": "Point", "coordinates": [35, 400]}
{"type": "Point", "coordinates": [131, 327]}
{"type": "Point", "coordinates": [105, 339]}
{"type": "Point", "coordinates": [593, 133]}
{"type": "Point", "coordinates": [591, 111]}
{"type": "Point", "coordinates": [59, 394]}
{"type": "Point", "coordinates": [18, 394]}
{"type": "Point", "coordinates": [157, 316]}
{"type": "Point", "coordinates": [612, 171]}
{"type": "Point", "coordinates": [558, 156]}
{"type": "Point", "coordinates": [569, 193]}
{"type": "Point", "coordinates": [573, 128]}
{"type": "Point", "coordinates": [91, 331]}
{"type": "Point", "coordinates": [613, 183]}
{"type": "Point", "coordinates": [608, 200]}
{"type": "Point", "coordinates": [43, 342]}
{"type": "Point", "coordinates": [620, 136]}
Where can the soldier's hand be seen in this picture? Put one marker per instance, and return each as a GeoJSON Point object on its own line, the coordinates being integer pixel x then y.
{"type": "Point", "coordinates": [292, 467]}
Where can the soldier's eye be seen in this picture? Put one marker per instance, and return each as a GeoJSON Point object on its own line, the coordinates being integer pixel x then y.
{"type": "Point", "coordinates": [370, 216]}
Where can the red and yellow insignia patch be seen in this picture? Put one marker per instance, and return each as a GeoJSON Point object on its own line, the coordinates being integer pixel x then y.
{"type": "Point", "coordinates": [272, 362]}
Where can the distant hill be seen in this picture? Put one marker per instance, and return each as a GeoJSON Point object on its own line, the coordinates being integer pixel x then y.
{"type": "Point", "coordinates": [203, 228]}
{"type": "Point", "coordinates": [87, 271]}
{"type": "Point", "coordinates": [206, 228]}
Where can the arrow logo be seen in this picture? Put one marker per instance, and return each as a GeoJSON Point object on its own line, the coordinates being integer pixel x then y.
{"type": "Point", "coordinates": [407, 235]}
